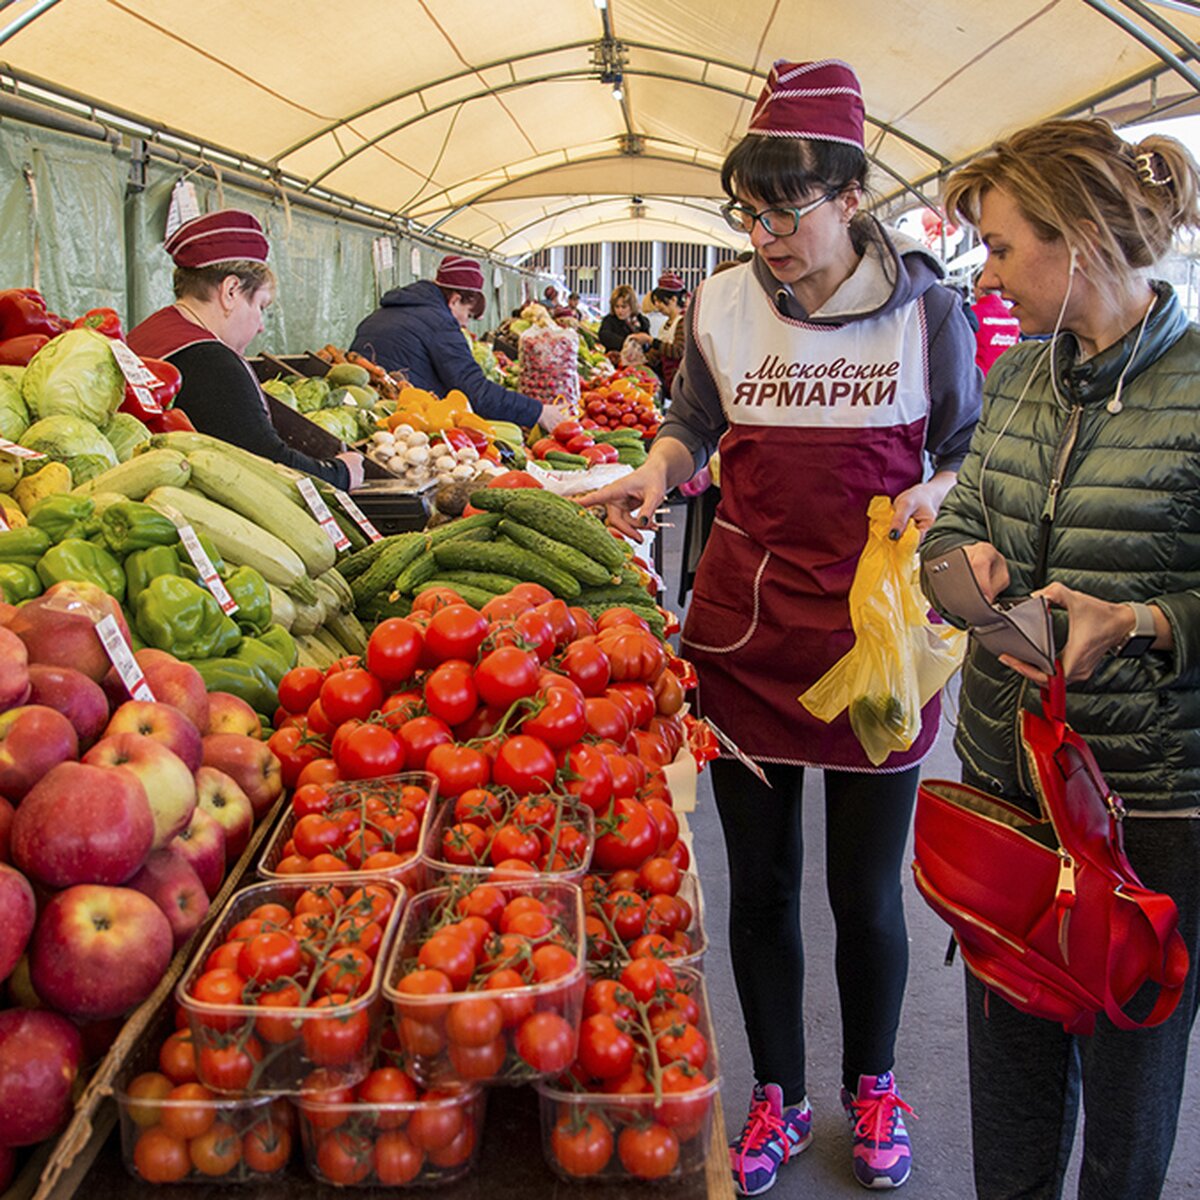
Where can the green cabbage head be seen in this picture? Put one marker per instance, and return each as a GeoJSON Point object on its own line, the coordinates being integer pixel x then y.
{"type": "Point", "coordinates": [67, 439]}
{"type": "Point", "coordinates": [74, 375]}
{"type": "Point", "coordinates": [14, 415]}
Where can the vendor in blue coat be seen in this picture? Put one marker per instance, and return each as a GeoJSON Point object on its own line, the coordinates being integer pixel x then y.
{"type": "Point", "coordinates": [418, 330]}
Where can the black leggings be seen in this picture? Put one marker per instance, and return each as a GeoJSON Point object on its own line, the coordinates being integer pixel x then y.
{"type": "Point", "coordinates": [866, 828]}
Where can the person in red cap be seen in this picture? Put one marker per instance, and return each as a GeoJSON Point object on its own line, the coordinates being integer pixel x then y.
{"type": "Point", "coordinates": [666, 351]}
{"type": "Point", "coordinates": [831, 367]}
{"type": "Point", "coordinates": [418, 329]}
{"type": "Point", "coordinates": [222, 288]}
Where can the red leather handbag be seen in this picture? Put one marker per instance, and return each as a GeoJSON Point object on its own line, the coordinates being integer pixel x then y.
{"type": "Point", "coordinates": [1046, 909]}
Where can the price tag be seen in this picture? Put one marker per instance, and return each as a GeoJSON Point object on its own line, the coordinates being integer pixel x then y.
{"type": "Point", "coordinates": [139, 376]}
{"type": "Point", "coordinates": [357, 515]}
{"type": "Point", "coordinates": [184, 206]}
{"type": "Point", "coordinates": [737, 752]}
{"type": "Point", "coordinates": [122, 658]}
{"type": "Point", "coordinates": [206, 570]}
{"type": "Point", "coordinates": [381, 249]}
{"type": "Point", "coordinates": [320, 510]}
{"type": "Point", "coordinates": [19, 451]}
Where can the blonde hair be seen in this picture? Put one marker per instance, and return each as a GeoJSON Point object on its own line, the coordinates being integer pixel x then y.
{"type": "Point", "coordinates": [1077, 180]}
{"type": "Point", "coordinates": [623, 292]}
{"type": "Point", "coordinates": [203, 282]}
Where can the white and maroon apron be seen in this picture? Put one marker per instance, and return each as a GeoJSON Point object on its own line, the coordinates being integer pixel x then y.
{"type": "Point", "coordinates": [820, 420]}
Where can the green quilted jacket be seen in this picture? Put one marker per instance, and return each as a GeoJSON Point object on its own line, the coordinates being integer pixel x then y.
{"type": "Point", "coordinates": [1124, 525]}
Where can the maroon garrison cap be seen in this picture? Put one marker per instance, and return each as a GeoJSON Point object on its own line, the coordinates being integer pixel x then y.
{"type": "Point", "coordinates": [668, 281]}
{"type": "Point", "coordinates": [228, 235]}
{"type": "Point", "coordinates": [820, 101]}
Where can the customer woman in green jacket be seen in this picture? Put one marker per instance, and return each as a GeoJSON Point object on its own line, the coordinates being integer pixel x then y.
{"type": "Point", "coordinates": [1083, 484]}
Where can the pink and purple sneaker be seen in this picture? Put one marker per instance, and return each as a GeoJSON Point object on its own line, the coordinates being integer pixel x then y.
{"type": "Point", "coordinates": [772, 1134]}
{"type": "Point", "coordinates": [882, 1154]}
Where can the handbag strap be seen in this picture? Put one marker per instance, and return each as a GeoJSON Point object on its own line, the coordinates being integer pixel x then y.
{"type": "Point", "coordinates": [1054, 699]}
{"type": "Point", "coordinates": [1169, 972]}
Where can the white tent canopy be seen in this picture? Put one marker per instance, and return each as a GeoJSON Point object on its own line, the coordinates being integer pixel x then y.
{"type": "Point", "coordinates": [498, 125]}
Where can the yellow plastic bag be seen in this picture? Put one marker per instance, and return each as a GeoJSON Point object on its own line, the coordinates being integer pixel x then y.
{"type": "Point", "coordinates": [899, 659]}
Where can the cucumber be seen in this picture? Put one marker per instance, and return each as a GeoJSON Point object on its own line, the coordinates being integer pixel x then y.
{"type": "Point", "coordinates": [462, 527]}
{"type": "Point", "coordinates": [566, 522]}
{"type": "Point", "coordinates": [631, 455]}
{"type": "Point", "coordinates": [587, 570]}
{"type": "Point", "coordinates": [418, 570]}
{"type": "Point", "coordinates": [475, 597]}
{"type": "Point", "coordinates": [560, 458]}
{"type": "Point", "coordinates": [505, 560]}
{"type": "Point", "coordinates": [486, 581]}
{"type": "Point", "coordinates": [622, 596]}
{"type": "Point", "coordinates": [353, 565]}
{"type": "Point", "coordinates": [383, 607]}
{"type": "Point", "coordinates": [381, 573]}
{"type": "Point", "coordinates": [614, 437]}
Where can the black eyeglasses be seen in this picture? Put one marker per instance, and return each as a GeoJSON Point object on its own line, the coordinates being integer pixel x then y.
{"type": "Point", "coordinates": [778, 222]}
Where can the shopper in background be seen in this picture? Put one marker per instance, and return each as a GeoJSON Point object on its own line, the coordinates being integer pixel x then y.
{"type": "Point", "coordinates": [222, 288]}
{"type": "Point", "coordinates": [996, 328]}
{"type": "Point", "coordinates": [1083, 485]}
{"type": "Point", "coordinates": [418, 330]}
{"type": "Point", "coordinates": [669, 298]}
{"type": "Point", "coordinates": [828, 368]}
{"type": "Point", "coordinates": [623, 320]}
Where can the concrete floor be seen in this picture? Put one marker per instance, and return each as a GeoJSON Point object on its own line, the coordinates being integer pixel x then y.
{"type": "Point", "coordinates": [931, 1055]}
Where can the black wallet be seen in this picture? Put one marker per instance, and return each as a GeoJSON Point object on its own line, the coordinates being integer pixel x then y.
{"type": "Point", "coordinates": [1019, 628]}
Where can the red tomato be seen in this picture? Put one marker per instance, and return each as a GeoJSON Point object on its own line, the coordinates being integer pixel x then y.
{"type": "Point", "coordinates": [588, 666]}
{"type": "Point", "coordinates": [369, 752]}
{"type": "Point", "coordinates": [546, 1041]}
{"type": "Point", "coordinates": [350, 694]}
{"type": "Point", "coordinates": [514, 841]}
{"type": "Point", "coordinates": [505, 675]}
{"type": "Point", "coordinates": [344, 1158]}
{"type": "Point", "coordinates": [627, 912]}
{"type": "Point", "coordinates": [229, 1068]}
{"type": "Point", "coordinates": [450, 693]}
{"type": "Point", "coordinates": [585, 625]}
{"type": "Point", "coordinates": [641, 699]}
{"type": "Point", "coordinates": [582, 1144]}
{"type": "Point", "coordinates": [580, 442]}
{"type": "Point", "coordinates": [513, 479]}
{"type": "Point", "coordinates": [632, 837]}
{"type": "Point", "coordinates": [474, 1022]}
{"type": "Point", "coordinates": [536, 628]}
{"type": "Point", "coordinates": [525, 764]}
{"type": "Point", "coordinates": [317, 721]}
{"type": "Point", "coordinates": [270, 956]}
{"type": "Point", "coordinates": [560, 721]}
{"type": "Point", "coordinates": [584, 772]}
{"type": "Point", "coordinates": [648, 1151]}
{"type": "Point", "coordinates": [347, 970]}
{"type": "Point", "coordinates": [431, 601]}
{"type": "Point", "coordinates": [339, 1039]}
{"type": "Point", "coordinates": [505, 608]}
{"type": "Point", "coordinates": [463, 844]}
{"type": "Point", "coordinates": [419, 736]}
{"type": "Point", "coordinates": [606, 719]}
{"type": "Point", "coordinates": [644, 977]}
{"type": "Point", "coordinates": [564, 431]}
{"type": "Point", "coordinates": [667, 822]}
{"type": "Point", "coordinates": [457, 631]}
{"type": "Point", "coordinates": [295, 749]}
{"type": "Point", "coordinates": [605, 1050]}
{"type": "Point", "coordinates": [451, 955]}
{"type": "Point", "coordinates": [545, 445]}
{"type": "Point", "coordinates": [299, 688]}
{"type": "Point", "coordinates": [393, 651]}
{"type": "Point", "coordinates": [458, 768]}
{"type": "Point", "coordinates": [682, 1042]}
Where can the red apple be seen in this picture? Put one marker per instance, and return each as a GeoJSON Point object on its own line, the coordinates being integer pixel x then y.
{"type": "Point", "coordinates": [82, 824]}
{"type": "Point", "coordinates": [59, 627]}
{"type": "Point", "coordinates": [176, 683]}
{"type": "Point", "coordinates": [170, 787]}
{"type": "Point", "coordinates": [228, 713]}
{"type": "Point", "coordinates": [162, 722]}
{"type": "Point", "coordinates": [6, 820]}
{"type": "Point", "coordinates": [40, 1053]}
{"type": "Point", "coordinates": [20, 911]}
{"type": "Point", "coordinates": [80, 699]}
{"type": "Point", "coordinates": [250, 763]}
{"type": "Point", "coordinates": [98, 951]}
{"type": "Point", "coordinates": [169, 880]}
{"type": "Point", "coordinates": [224, 800]}
{"type": "Point", "coordinates": [33, 739]}
{"type": "Point", "coordinates": [14, 669]}
{"type": "Point", "coordinates": [202, 844]}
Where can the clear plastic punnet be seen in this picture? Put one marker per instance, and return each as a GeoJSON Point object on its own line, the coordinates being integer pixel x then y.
{"type": "Point", "coordinates": [273, 1032]}
{"type": "Point", "coordinates": [486, 981]}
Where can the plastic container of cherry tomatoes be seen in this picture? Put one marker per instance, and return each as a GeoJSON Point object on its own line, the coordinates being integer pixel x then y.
{"type": "Point", "coordinates": [277, 1049]}
{"type": "Point", "coordinates": [380, 805]}
{"type": "Point", "coordinates": [424, 1142]}
{"type": "Point", "coordinates": [521, 1026]}
{"type": "Point", "coordinates": [185, 1133]}
{"type": "Point", "coordinates": [606, 952]}
{"type": "Point", "coordinates": [556, 834]}
{"type": "Point", "coordinates": [602, 1136]}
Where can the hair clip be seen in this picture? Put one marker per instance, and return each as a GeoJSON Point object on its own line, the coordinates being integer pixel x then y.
{"type": "Point", "coordinates": [1147, 165]}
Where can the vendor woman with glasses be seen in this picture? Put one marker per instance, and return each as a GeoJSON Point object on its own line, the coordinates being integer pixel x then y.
{"type": "Point", "coordinates": [832, 367]}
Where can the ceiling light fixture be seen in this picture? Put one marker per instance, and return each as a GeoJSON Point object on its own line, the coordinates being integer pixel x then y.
{"type": "Point", "coordinates": [601, 4]}
{"type": "Point", "coordinates": [618, 90]}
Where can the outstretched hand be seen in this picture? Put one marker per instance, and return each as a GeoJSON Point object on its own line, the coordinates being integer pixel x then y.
{"type": "Point", "coordinates": [631, 501]}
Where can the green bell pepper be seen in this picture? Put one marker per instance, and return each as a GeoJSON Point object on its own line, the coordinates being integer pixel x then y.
{"type": "Point", "coordinates": [183, 618]}
{"type": "Point", "coordinates": [259, 654]}
{"type": "Point", "coordinates": [144, 565]}
{"type": "Point", "coordinates": [25, 545]}
{"type": "Point", "coordinates": [64, 516]}
{"type": "Point", "coordinates": [131, 525]}
{"type": "Point", "coordinates": [74, 558]}
{"type": "Point", "coordinates": [282, 643]}
{"type": "Point", "coordinates": [253, 598]}
{"type": "Point", "coordinates": [242, 679]}
{"type": "Point", "coordinates": [214, 556]}
{"type": "Point", "coordinates": [18, 583]}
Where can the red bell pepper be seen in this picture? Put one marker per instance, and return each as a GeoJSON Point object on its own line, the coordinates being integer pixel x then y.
{"type": "Point", "coordinates": [22, 311]}
{"type": "Point", "coordinates": [160, 396]}
{"type": "Point", "coordinates": [103, 320]}
{"type": "Point", "coordinates": [456, 439]}
{"type": "Point", "coordinates": [173, 420]}
{"type": "Point", "coordinates": [17, 351]}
